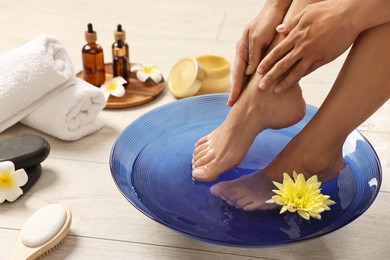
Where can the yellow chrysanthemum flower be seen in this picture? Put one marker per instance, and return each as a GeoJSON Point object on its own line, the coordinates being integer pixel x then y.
{"type": "Point", "coordinates": [301, 196]}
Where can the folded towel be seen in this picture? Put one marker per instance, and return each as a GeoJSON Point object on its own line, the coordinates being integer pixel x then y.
{"type": "Point", "coordinates": [39, 87]}
{"type": "Point", "coordinates": [71, 114]}
{"type": "Point", "coordinates": [29, 75]}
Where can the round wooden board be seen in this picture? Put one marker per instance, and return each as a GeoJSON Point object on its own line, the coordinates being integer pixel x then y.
{"type": "Point", "coordinates": [137, 93]}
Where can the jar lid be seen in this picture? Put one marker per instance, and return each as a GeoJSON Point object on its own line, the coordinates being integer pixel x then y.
{"type": "Point", "coordinates": [186, 78]}
{"type": "Point", "coordinates": [214, 66]}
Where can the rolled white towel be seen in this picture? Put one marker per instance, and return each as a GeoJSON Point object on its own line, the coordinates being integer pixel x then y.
{"type": "Point", "coordinates": [30, 75]}
{"type": "Point", "coordinates": [71, 114]}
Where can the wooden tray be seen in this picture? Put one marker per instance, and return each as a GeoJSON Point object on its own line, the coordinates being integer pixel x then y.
{"type": "Point", "coordinates": [137, 93]}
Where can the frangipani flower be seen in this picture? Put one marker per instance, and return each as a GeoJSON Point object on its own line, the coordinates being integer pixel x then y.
{"type": "Point", "coordinates": [11, 181]}
{"type": "Point", "coordinates": [301, 196]}
{"type": "Point", "coordinates": [114, 87]}
{"type": "Point", "coordinates": [144, 72]}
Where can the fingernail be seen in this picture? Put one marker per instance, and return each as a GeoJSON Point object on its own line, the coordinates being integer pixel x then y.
{"type": "Point", "coordinates": [262, 86]}
{"type": "Point", "coordinates": [280, 27]}
{"type": "Point", "coordinates": [277, 90]}
{"type": "Point", "coordinates": [260, 70]}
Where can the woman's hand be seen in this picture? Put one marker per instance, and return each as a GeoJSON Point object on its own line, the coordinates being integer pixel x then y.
{"type": "Point", "coordinates": [317, 35]}
{"type": "Point", "coordinates": [255, 39]}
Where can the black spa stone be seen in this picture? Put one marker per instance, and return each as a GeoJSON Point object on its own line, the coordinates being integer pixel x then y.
{"type": "Point", "coordinates": [33, 173]}
{"type": "Point", "coordinates": [24, 151]}
{"type": "Point", "coordinates": [27, 152]}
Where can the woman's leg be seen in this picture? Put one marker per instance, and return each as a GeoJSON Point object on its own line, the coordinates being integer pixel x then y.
{"type": "Point", "coordinates": [254, 111]}
{"type": "Point", "coordinates": [363, 85]}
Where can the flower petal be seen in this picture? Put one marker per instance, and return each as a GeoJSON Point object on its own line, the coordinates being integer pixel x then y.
{"type": "Point", "coordinates": [119, 80]}
{"type": "Point", "coordinates": [278, 185]}
{"type": "Point", "coordinates": [300, 180]}
{"type": "Point", "coordinates": [287, 179]}
{"type": "Point", "coordinates": [142, 76]}
{"type": "Point", "coordinates": [329, 202]}
{"type": "Point", "coordinates": [156, 77]}
{"type": "Point", "coordinates": [7, 166]}
{"type": "Point", "coordinates": [278, 200]}
{"type": "Point", "coordinates": [283, 209]}
{"type": "Point", "coordinates": [20, 177]}
{"type": "Point", "coordinates": [14, 193]}
{"type": "Point", "coordinates": [136, 67]}
{"type": "Point", "coordinates": [277, 192]}
{"type": "Point", "coordinates": [315, 215]}
{"type": "Point", "coordinates": [295, 174]}
{"type": "Point", "coordinates": [3, 195]}
{"type": "Point", "coordinates": [304, 214]}
{"type": "Point", "coordinates": [119, 91]}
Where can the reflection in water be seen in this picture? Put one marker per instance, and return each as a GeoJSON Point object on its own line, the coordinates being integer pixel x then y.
{"type": "Point", "coordinates": [347, 187]}
{"type": "Point", "coordinates": [293, 221]}
{"type": "Point", "coordinates": [227, 216]}
{"type": "Point", "coordinates": [373, 182]}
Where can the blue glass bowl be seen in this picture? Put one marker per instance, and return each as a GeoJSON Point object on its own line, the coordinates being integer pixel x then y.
{"type": "Point", "coordinates": [151, 165]}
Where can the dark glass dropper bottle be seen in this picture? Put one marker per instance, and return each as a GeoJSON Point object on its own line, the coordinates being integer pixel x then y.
{"type": "Point", "coordinates": [120, 62]}
{"type": "Point", "coordinates": [121, 34]}
{"type": "Point", "coordinates": [93, 59]}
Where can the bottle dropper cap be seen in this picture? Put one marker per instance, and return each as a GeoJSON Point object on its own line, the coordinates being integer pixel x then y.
{"type": "Point", "coordinates": [119, 33]}
{"type": "Point", "coordinates": [119, 50]}
{"type": "Point", "coordinates": [90, 35]}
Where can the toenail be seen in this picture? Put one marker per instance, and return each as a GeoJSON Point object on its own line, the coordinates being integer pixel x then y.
{"type": "Point", "coordinates": [198, 172]}
{"type": "Point", "coordinates": [230, 203]}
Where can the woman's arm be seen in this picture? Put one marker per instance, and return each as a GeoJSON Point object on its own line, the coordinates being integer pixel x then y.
{"type": "Point", "coordinates": [257, 36]}
{"type": "Point", "coordinates": [318, 35]}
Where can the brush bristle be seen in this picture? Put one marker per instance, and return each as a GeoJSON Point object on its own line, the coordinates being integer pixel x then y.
{"type": "Point", "coordinates": [48, 252]}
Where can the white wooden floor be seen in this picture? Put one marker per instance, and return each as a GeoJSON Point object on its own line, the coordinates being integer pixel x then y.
{"type": "Point", "coordinates": [105, 225]}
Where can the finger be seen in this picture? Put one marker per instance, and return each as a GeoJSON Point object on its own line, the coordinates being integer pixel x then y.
{"type": "Point", "coordinates": [274, 55]}
{"type": "Point", "coordinates": [254, 55]}
{"type": "Point", "coordinates": [237, 80]}
{"type": "Point", "coordinates": [293, 77]}
{"type": "Point", "coordinates": [279, 69]}
{"type": "Point", "coordinates": [288, 26]}
{"type": "Point", "coordinates": [281, 28]}
{"type": "Point", "coordinates": [239, 66]}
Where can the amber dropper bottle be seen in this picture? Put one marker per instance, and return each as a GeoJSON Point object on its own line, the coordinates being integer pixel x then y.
{"type": "Point", "coordinates": [93, 59]}
{"type": "Point", "coordinates": [121, 34]}
{"type": "Point", "coordinates": [120, 62]}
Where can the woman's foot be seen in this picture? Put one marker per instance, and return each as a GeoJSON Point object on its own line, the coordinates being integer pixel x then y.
{"type": "Point", "coordinates": [251, 191]}
{"type": "Point", "coordinates": [248, 192]}
{"type": "Point", "coordinates": [225, 147]}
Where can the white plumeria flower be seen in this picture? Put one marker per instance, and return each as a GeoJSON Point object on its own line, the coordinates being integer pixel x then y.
{"type": "Point", "coordinates": [11, 181]}
{"type": "Point", "coordinates": [145, 72]}
{"type": "Point", "coordinates": [114, 87]}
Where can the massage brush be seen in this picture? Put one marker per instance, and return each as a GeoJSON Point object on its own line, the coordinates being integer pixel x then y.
{"type": "Point", "coordinates": [43, 232]}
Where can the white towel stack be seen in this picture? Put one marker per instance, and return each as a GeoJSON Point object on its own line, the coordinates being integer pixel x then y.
{"type": "Point", "coordinates": [38, 87]}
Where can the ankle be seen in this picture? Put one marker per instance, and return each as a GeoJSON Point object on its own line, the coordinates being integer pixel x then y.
{"type": "Point", "coordinates": [307, 157]}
